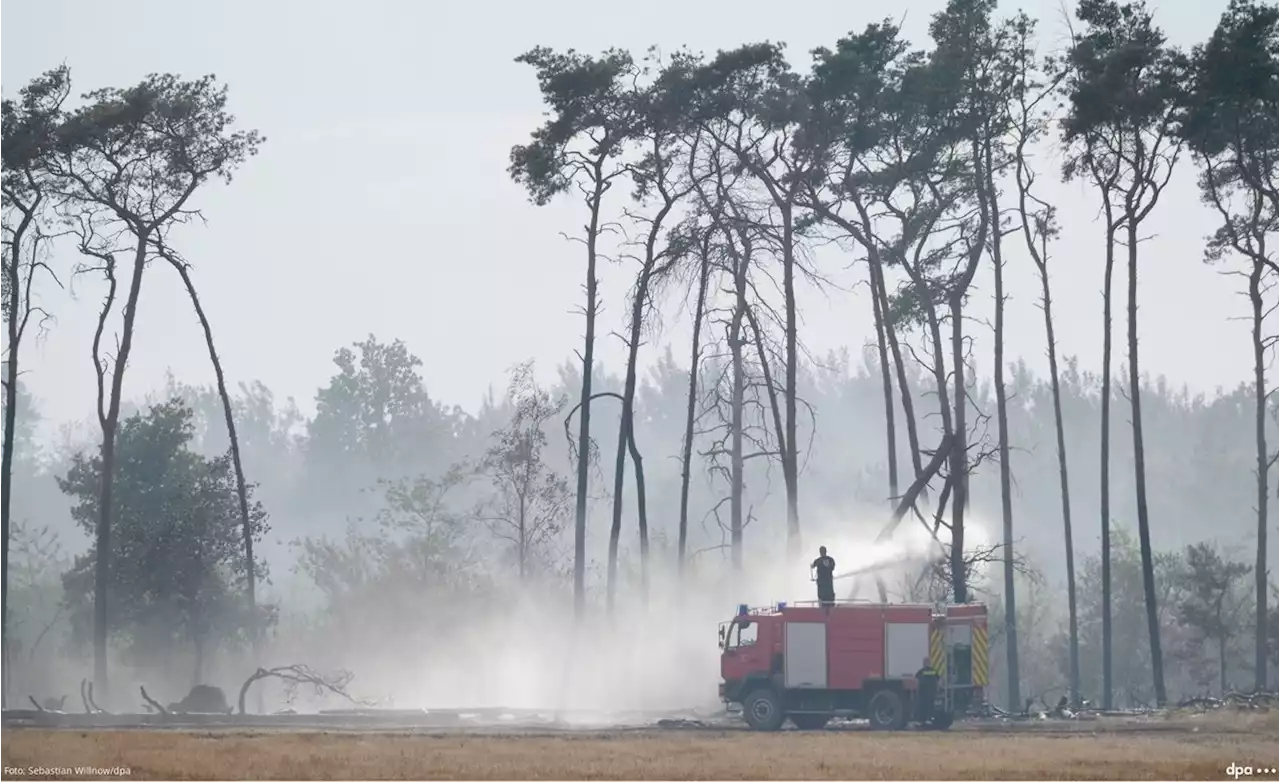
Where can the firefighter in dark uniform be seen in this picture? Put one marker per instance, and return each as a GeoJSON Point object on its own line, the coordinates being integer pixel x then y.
{"type": "Point", "coordinates": [825, 568]}
{"type": "Point", "coordinates": [926, 690]}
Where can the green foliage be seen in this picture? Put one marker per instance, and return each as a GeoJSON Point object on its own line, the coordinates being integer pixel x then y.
{"type": "Point", "coordinates": [1233, 95]}
{"type": "Point", "coordinates": [753, 81]}
{"type": "Point", "coordinates": [177, 560]}
{"type": "Point", "coordinates": [26, 421]}
{"type": "Point", "coordinates": [855, 91]}
{"type": "Point", "coordinates": [529, 502]}
{"type": "Point", "coordinates": [1132, 668]}
{"type": "Point", "coordinates": [140, 152]}
{"type": "Point", "coordinates": [883, 140]}
{"type": "Point", "coordinates": [1121, 74]}
{"type": "Point", "coordinates": [38, 616]}
{"type": "Point", "coordinates": [878, 128]}
{"type": "Point", "coordinates": [406, 575]}
{"type": "Point", "coordinates": [1231, 124]}
{"type": "Point", "coordinates": [372, 421]}
{"type": "Point", "coordinates": [593, 114]}
{"type": "Point", "coordinates": [1215, 606]}
{"type": "Point", "coordinates": [30, 125]}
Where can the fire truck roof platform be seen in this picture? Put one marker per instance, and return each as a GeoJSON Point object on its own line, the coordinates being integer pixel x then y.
{"type": "Point", "coordinates": [782, 607]}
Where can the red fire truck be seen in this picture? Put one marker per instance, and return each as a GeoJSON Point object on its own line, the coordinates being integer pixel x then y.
{"type": "Point", "coordinates": [891, 664]}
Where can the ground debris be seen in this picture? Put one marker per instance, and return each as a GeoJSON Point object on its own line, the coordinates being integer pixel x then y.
{"type": "Point", "coordinates": [301, 675]}
{"type": "Point", "coordinates": [1085, 710]}
{"type": "Point", "coordinates": [49, 704]}
{"type": "Point", "coordinates": [681, 722]}
{"type": "Point", "coordinates": [1261, 699]}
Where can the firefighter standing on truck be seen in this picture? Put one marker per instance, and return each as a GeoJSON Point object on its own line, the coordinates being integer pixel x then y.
{"type": "Point", "coordinates": [825, 568]}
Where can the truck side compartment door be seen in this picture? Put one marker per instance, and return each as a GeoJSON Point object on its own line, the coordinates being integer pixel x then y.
{"type": "Point", "coordinates": [960, 646]}
{"type": "Point", "coordinates": [906, 648]}
{"type": "Point", "coordinates": [805, 660]}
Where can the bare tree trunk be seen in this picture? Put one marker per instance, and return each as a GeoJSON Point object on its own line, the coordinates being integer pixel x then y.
{"type": "Point", "coordinates": [584, 423]}
{"type": "Point", "coordinates": [959, 454]}
{"type": "Point", "coordinates": [627, 425]}
{"type": "Point", "coordinates": [790, 450]}
{"type": "Point", "coordinates": [1105, 462]}
{"type": "Point", "coordinates": [981, 146]}
{"type": "Point", "coordinates": [940, 371]}
{"type": "Point", "coordinates": [686, 457]}
{"type": "Point", "coordinates": [736, 459]}
{"type": "Point", "coordinates": [1222, 663]}
{"type": "Point", "coordinates": [1029, 127]}
{"type": "Point", "coordinates": [626, 443]}
{"type": "Point", "coordinates": [522, 550]}
{"type": "Point", "coordinates": [242, 490]}
{"type": "Point", "coordinates": [1140, 472]}
{"type": "Point", "coordinates": [956, 457]}
{"type": "Point", "coordinates": [1073, 624]}
{"type": "Point", "coordinates": [6, 484]}
{"type": "Point", "coordinates": [878, 290]}
{"type": "Point", "coordinates": [742, 313]}
{"type": "Point", "coordinates": [904, 388]}
{"type": "Point", "coordinates": [1261, 469]}
{"type": "Point", "coordinates": [642, 513]}
{"type": "Point", "coordinates": [1006, 490]}
{"type": "Point", "coordinates": [890, 429]}
{"type": "Point", "coordinates": [900, 367]}
{"type": "Point", "coordinates": [198, 676]}
{"type": "Point", "coordinates": [769, 387]}
{"type": "Point", "coordinates": [615, 527]}
{"type": "Point", "coordinates": [14, 317]}
{"type": "Point", "coordinates": [886, 380]}
{"type": "Point", "coordinates": [110, 422]}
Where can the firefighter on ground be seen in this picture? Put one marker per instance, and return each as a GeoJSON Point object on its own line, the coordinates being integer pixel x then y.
{"type": "Point", "coordinates": [926, 690]}
{"type": "Point", "coordinates": [825, 568]}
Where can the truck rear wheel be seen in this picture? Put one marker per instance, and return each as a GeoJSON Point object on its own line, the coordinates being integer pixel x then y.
{"type": "Point", "coordinates": [763, 710]}
{"type": "Point", "coordinates": [810, 721]}
{"type": "Point", "coordinates": [886, 711]}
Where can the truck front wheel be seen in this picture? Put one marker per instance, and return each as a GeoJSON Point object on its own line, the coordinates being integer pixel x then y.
{"type": "Point", "coordinates": [763, 710]}
{"type": "Point", "coordinates": [886, 711]}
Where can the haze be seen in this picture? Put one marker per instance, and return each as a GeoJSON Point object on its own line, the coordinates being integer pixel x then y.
{"type": "Point", "coordinates": [381, 205]}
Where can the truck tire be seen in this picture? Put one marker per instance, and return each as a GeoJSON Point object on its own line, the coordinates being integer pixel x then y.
{"type": "Point", "coordinates": [810, 721]}
{"type": "Point", "coordinates": [942, 720]}
{"type": "Point", "coordinates": [762, 710]}
{"type": "Point", "coordinates": [887, 711]}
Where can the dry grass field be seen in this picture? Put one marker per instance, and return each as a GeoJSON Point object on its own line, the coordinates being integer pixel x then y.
{"type": "Point", "coordinates": [1186, 749]}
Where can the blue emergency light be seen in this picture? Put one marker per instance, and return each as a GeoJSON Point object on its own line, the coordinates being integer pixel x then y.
{"type": "Point", "coordinates": [782, 606]}
{"type": "Point", "coordinates": [743, 610]}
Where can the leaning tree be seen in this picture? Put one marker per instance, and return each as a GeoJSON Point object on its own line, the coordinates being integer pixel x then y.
{"type": "Point", "coordinates": [126, 164]}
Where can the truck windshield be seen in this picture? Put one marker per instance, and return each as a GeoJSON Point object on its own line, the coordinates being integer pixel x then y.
{"type": "Point", "coordinates": [742, 635]}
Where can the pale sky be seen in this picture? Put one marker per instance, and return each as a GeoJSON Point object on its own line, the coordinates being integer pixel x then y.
{"type": "Point", "coordinates": [380, 202]}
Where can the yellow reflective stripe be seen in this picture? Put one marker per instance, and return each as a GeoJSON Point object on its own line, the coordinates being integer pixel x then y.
{"type": "Point", "coordinates": [980, 655]}
{"type": "Point", "coordinates": [937, 651]}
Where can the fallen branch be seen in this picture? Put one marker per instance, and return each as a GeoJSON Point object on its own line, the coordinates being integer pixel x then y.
{"type": "Point", "coordinates": [294, 675]}
{"type": "Point", "coordinates": [51, 704]}
{"type": "Point", "coordinates": [35, 703]}
{"type": "Point", "coordinates": [153, 703]}
{"type": "Point", "coordinates": [908, 500]}
{"type": "Point", "coordinates": [568, 418]}
{"type": "Point", "coordinates": [31, 653]}
{"type": "Point", "coordinates": [97, 709]}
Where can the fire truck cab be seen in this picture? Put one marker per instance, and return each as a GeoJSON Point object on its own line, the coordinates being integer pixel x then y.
{"type": "Point", "coordinates": [892, 664]}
